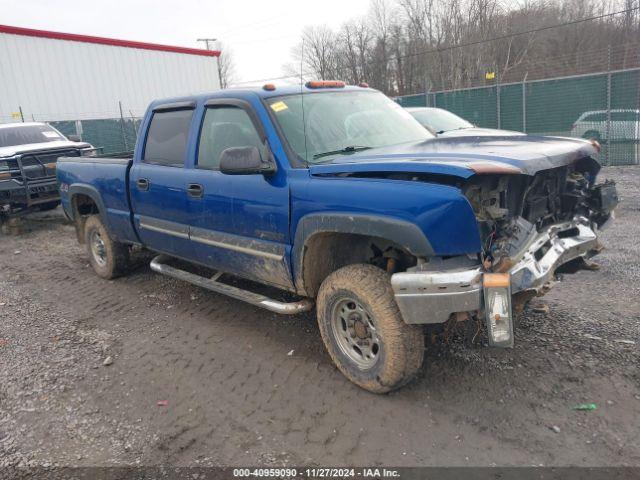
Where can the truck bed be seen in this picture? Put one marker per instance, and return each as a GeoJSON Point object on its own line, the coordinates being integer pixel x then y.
{"type": "Point", "coordinates": [106, 181]}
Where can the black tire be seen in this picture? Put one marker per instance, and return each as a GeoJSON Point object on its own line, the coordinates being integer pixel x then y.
{"type": "Point", "coordinates": [400, 350]}
{"type": "Point", "coordinates": [111, 259]}
{"type": "Point", "coordinates": [48, 206]}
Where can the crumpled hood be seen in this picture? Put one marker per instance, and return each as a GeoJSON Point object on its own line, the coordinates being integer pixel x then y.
{"type": "Point", "coordinates": [465, 156]}
{"type": "Point", "coordinates": [35, 147]}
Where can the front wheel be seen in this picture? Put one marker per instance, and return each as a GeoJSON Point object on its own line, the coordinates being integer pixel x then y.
{"type": "Point", "coordinates": [108, 258]}
{"type": "Point", "coordinates": [363, 330]}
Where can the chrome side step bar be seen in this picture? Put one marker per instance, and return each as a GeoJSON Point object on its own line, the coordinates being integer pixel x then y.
{"type": "Point", "coordinates": [290, 308]}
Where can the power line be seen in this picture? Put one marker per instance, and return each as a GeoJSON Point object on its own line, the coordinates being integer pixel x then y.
{"type": "Point", "coordinates": [468, 44]}
{"type": "Point", "coordinates": [503, 37]}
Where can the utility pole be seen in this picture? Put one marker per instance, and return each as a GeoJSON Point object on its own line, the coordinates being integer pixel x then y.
{"type": "Point", "coordinates": [209, 43]}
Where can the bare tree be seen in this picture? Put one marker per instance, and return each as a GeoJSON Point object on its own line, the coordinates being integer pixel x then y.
{"type": "Point", "coordinates": [407, 46]}
{"type": "Point", "coordinates": [226, 67]}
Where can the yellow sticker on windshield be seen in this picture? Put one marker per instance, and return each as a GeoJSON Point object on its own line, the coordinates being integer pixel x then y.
{"type": "Point", "coordinates": [278, 106]}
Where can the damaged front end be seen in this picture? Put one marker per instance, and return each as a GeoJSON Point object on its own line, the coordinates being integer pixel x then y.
{"type": "Point", "coordinates": [532, 227]}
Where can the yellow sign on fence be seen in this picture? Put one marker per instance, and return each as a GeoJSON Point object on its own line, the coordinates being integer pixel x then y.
{"type": "Point", "coordinates": [490, 75]}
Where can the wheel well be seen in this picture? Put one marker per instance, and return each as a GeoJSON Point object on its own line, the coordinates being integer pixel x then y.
{"type": "Point", "coordinates": [326, 252]}
{"type": "Point", "coordinates": [82, 206]}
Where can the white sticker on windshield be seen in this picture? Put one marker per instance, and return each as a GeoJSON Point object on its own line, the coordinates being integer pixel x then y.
{"type": "Point", "coordinates": [50, 134]}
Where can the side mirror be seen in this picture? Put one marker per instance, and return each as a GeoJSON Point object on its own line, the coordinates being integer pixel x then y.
{"type": "Point", "coordinates": [74, 138]}
{"type": "Point", "coordinates": [244, 161]}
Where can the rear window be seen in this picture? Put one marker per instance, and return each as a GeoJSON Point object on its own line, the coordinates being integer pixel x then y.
{"type": "Point", "coordinates": [624, 116]}
{"type": "Point", "coordinates": [595, 117]}
{"type": "Point", "coordinates": [167, 138]}
{"type": "Point", "coordinates": [27, 134]}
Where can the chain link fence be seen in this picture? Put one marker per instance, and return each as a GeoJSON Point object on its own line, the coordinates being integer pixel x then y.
{"type": "Point", "coordinates": [110, 132]}
{"type": "Point", "coordinates": [604, 105]}
{"type": "Point", "coordinates": [110, 136]}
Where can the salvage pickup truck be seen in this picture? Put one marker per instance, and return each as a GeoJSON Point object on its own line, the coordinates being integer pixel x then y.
{"type": "Point", "coordinates": [28, 154]}
{"type": "Point", "coordinates": [336, 194]}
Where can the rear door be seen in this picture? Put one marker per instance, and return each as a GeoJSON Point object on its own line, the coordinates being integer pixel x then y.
{"type": "Point", "coordinates": [238, 223]}
{"type": "Point", "coordinates": [157, 181]}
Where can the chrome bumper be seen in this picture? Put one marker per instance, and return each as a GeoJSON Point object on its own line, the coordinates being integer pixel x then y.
{"type": "Point", "coordinates": [429, 296]}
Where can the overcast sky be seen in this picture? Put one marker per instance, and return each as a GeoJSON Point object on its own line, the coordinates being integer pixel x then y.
{"type": "Point", "coordinates": [260, 33]}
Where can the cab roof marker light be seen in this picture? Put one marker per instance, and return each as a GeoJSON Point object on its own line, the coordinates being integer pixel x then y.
{"type": "Point", "coordinates": [325, 84]}
{"type": "Point", "coordinates": [363, 85]}
{"type": "Point", "coordinates": [269, 87]}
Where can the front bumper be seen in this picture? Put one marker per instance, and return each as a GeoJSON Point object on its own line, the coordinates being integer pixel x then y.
{"type": "Point", "coordinates": [17, 196]}
{"type": "Point", "coordinates": [432, 296]}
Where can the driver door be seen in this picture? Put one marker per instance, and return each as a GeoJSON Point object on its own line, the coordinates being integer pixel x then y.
{"type": "Point", "coordinates": [239, 223]}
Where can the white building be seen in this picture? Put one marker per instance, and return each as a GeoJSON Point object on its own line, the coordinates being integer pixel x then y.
{"type": "Point", "coordinates": [52, 76]}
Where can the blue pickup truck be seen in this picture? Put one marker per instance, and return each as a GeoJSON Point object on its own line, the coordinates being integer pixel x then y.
{"type": "Point", "coordinates": [338, 197]}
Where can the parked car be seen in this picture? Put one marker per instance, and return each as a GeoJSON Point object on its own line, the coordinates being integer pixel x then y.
{"type": "Point", "coordinates": [336, 194]}
{"type": "Point", "coordinates": [28, 154]}
{"type": "Point", "coordinates": [625, 125]}
{"type": "Point", "coordinates": [444, 123]}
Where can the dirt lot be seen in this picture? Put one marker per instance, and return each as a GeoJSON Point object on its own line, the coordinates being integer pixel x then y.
{"type": "Point", "coordinates": [247, 387]}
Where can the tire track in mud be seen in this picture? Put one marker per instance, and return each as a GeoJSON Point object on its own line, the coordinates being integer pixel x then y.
{"type": "Point", "coordinates": [236, 397]}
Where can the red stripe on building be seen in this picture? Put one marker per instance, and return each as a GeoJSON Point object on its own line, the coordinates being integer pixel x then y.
{"type": "Point", "coordinates": [114, 42]}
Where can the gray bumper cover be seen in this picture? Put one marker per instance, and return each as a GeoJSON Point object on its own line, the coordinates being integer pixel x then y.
{"type": "Point", "coordinates": [432, 296]}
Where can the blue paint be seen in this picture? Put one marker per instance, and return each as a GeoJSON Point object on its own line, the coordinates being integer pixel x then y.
{"type": "Point", "coordinates": [267, 209]}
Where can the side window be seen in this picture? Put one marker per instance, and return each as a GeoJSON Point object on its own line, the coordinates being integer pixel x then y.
{"type": "Point", "coordinates": [596, 117]}
{"type": "Point", "coordinates": [167, 138]}
{"type": "Point", "coordinates": [224, 127]}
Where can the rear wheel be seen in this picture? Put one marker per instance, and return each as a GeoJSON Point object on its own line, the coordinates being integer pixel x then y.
{"type": "Point", "coordinates": [363, 330]}
{"type": "Point", "coordinates": [108, 258]}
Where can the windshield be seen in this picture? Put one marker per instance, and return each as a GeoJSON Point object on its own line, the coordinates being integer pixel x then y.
{"type": "Point", "coordinates": [439, 120]}
{"type": "Point", "coordinates": [27, 134]}
{"type": "Point", "coordinates": [342, 123]}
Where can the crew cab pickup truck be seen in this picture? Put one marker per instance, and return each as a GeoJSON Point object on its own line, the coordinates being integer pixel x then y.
{"type": "Point", "coordinates": [28, 154]}
{"type": "Point", "coordinates": [338, 196]}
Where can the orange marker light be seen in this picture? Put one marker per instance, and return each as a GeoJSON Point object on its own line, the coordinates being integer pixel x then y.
{"type": "Point", "coordinates": [269, 87]}
{"type": "Point", "coordinates": [496, 280]}
{"type": "Point", "coordinates": [363, 85]}
{"type": "Point", "coordinates": [487, 168]}
{"type": "Point", "coordinates": [325, 84]}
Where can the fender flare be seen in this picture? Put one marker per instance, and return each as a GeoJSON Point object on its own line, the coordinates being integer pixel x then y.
{"type": "Point", "coordinates": [92, 193]}
{"type": "Point", "coordinates": [402, 232]}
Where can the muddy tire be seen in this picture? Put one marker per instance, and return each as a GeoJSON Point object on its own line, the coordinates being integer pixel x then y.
{"type": "Point", "coordinates": [108, 258]}
{"type": "Point", "coordinates": [363, 330]}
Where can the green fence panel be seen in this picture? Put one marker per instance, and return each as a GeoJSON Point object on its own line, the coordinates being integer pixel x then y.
{"type": "Point", "coordinates": [511, 109]}
{"type": "Point", "coordinates": [553, 106]}
{"type": "Point", "coordinates": [624, 129]}
{"type": "Point", "coordinates": [108, 135]}
{"type": "Point", "coordinates": [412, 100]}
{"type": "Point", "coordinates": [477, 105]}
{"type": "Point", "coordinates": [571, 106]}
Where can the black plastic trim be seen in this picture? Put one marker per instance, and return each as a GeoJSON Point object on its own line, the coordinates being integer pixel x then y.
{"type": "Point", "coordinates": [188, 105]}
{"type": "Point", "coordinates": [405, 234]}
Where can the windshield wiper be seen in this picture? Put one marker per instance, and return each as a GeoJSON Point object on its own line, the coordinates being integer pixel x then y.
{"type": "Point", "coordinates": [349, 149]}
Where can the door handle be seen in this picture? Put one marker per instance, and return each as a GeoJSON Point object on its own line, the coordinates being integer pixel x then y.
{"type": "Point", "coordinates": [143, 184]}
{"type": "Point", "coordinates": [195, 190]}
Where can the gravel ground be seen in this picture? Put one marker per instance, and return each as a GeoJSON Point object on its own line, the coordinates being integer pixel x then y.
{"type": "Point", "coordinates": [146, 370]}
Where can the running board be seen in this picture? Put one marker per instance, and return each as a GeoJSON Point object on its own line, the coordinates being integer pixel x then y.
{"type": "Point", "coordinates": [291, 308]}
